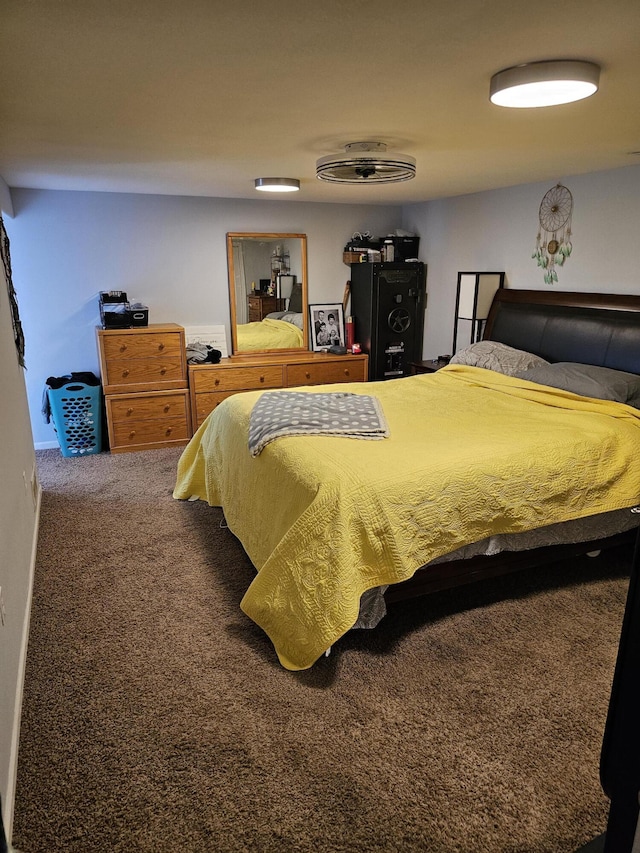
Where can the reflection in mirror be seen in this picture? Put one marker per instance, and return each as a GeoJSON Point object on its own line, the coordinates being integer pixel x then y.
{"type": "Point", "coordinates": [267, 292]}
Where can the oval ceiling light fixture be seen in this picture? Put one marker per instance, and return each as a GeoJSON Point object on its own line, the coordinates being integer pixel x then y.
{"type": "Point", "coordinates": [544, 84]}
{"type": "Point", "coordinates": [277, 185]}
{"type": "Point", "coordinates": [366, 163]}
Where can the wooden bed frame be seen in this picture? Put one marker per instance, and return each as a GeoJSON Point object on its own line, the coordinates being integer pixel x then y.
{"type": "Point", "coordinates": [588, 328]}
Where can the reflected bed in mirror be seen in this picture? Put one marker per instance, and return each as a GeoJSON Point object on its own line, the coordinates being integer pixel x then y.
{"type": "Point", "coordinates": [267, 292]}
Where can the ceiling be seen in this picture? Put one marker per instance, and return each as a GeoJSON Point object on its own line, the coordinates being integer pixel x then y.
{"type": "Point", "coordinates": [200, 97]}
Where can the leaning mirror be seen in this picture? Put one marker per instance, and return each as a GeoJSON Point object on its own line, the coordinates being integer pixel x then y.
{"type": "Point", "coordinates": [267, 292]}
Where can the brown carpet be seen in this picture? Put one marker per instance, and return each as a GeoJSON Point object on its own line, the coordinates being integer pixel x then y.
{"type": "Point", "coordinates": [157, 718]}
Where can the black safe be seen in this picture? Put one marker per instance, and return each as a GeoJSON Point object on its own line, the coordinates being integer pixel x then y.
{"type": "Point", "coordinates": [387, 306]}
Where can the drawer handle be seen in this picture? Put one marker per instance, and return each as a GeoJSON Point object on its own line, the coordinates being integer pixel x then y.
{"type": "Point", "coordinates": [129, 411]}
{"type": "Point", "coordinates": [163, 370]}
{"type": "Point", "coordinates": [123, 347]}
{"type": "Point", "coordinates": [167, 408]}
{"type": "Point", "coordinates": [307, 374]}
{"type": "Point", "coordinates": [346, 371]}
{"type": "Point", "coordinates": [217, 382]}
{"type": "Point", "coordinates": [160, 347]}
{"type": "Point", "coordinates": [132, 433]}
{"type": "Point", "coordinates": [125, 373]}
{"type": "Point", "coordinates": [169, 431]}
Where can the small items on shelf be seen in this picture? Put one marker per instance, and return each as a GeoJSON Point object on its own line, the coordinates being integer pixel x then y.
{"type": "Point", "coordinates": [114, 309]}
{"type": "Point", "coordinates": [116, 312]}
{"type": "Point", "coordinates": [280, 265]}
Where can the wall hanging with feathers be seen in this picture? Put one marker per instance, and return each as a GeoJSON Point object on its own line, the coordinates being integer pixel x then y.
{"type": "Point", "coordinates": [553, 243]}
{"type": "Point", "coordinates": [5, 254]}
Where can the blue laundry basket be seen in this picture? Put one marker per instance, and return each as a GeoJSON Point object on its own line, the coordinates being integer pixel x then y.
{"type": "Point", "coordinates": [76, 412]}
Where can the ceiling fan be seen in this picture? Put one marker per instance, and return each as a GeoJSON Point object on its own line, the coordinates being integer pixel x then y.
{"type": "Point", "coordinates": [366, 162]}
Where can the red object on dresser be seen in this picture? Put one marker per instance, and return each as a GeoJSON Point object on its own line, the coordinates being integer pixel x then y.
{"type": "Point", "coordinates": [350, 332]}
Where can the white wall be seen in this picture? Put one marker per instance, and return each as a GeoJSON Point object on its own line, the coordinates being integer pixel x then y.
{"type": "Point", "coordinates": [6, 202]}
{"type": "Point", "coordinates": [496, 231]}
{"type": "Point", "coordinates": [18, 527]}
{"type": "Point", "coordinates": [168, 252]}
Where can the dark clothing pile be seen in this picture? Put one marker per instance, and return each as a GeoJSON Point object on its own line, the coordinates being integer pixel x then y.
{"type": "Point", "coordinates": [82, 378]}
{"type": "Point", "coordinates": [198, 353]}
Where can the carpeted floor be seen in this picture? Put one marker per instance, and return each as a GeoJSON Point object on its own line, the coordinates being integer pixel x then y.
{"type": "Point", "coordinates": [156, 717]}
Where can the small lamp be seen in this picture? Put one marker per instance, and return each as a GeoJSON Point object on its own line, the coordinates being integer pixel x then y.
{"type": "Point", "coordinates": [285, 286]}
{"type": "Point", "coordinates": [473, 300]}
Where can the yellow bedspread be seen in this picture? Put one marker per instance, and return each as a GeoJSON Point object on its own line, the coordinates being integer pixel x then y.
{"type": "Point", "coordinates": [471, 453]}
{"type": "Point", "coordinates": [268, 334]}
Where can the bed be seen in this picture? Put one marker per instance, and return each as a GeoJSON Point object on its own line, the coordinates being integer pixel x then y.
{"type": "Point", "coordinates": [479, 465]}
{"type": "Point", "coordinates": [280, 330]}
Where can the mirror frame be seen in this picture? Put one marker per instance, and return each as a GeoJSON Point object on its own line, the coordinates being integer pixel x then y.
{"type": "Point", "coordinates": [249, 235]}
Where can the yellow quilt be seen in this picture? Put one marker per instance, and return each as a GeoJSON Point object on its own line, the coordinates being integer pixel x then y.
{"type": "Point", "coordinates": [471, 453]}
{"type": "Point", "coordinates": [268, 334]}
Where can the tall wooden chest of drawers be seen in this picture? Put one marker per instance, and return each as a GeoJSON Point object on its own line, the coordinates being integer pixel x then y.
{"type": "Point", "coordinates": [210, 384]}
{"type": "Point", "coordinates": [145, 384]}
{"type": "Point", "coordinates": [260, 306]}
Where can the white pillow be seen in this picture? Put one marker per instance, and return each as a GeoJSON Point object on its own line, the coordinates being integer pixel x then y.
{"type": "Point", "coordinates": [499, 357]}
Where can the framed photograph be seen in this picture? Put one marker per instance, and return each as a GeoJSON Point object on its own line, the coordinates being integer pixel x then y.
{"type": "Point", "coordinates": [327, 326]}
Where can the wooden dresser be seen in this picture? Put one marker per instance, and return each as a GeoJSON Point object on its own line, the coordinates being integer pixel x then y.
{"type": "Point", "coordinates": [210, 384]}
{"type": "Point", "coordinates": [260, 306]}
{"type": "Point", "coordinates": [145, 384]}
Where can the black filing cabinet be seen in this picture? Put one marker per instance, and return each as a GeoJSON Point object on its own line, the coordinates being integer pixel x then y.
{"type": "Point", "coordinates": [387, 306]}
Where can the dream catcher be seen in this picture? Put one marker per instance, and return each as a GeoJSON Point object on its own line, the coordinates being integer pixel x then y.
{"type": "Point", "coordinates": [553, 243]}
{"type": "Point", "coordinates": [13, 302]}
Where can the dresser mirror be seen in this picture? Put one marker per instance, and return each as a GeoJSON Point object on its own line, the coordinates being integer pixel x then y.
{"type": "Point", "coordinates": [268, 298]}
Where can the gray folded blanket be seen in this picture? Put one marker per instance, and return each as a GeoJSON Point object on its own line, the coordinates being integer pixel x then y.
{"type": "Point", "coordinates": [281, 413]}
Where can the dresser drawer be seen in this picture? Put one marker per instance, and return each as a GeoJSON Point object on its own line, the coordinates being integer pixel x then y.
{"type": "Point", "coordinates": [132, 345]}
{"type": "Point", "coordinates": [206, 403]}
{"type": "Point", "coordinates": [237, 378]}
{"type": "Point", "coordinates": [153, 406]}
{"type": "Point", "coordinates": [325, 372]}
{"type": "Point", "coordinates": [144, 371]}
{"type": "Point", "coordinates": [127, 434]}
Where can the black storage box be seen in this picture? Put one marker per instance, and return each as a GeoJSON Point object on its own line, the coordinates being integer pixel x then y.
{"type": "Point", "coordinates": [374, 243]}
{"type": "Point", "coordinates": [114, 310]}
{"type": "Point", "coordinates": [405, 248]}
{"type": "Point", "coordinates": [138, 314]}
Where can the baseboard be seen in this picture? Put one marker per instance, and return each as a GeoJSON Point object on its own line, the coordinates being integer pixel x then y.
{"type": "Point", "coordinates": [15, 739]}
{"type": "Point", "coordinates": [45, 445]}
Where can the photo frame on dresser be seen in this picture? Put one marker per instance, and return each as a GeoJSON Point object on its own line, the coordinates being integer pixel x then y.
{"type": "Point", "coordinates": [326, 326]}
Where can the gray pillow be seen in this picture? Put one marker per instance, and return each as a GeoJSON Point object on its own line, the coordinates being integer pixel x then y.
{"type": "Point", "coordinates": [499, 357]}
{"type": "Point", "coordinates": [603, 383]}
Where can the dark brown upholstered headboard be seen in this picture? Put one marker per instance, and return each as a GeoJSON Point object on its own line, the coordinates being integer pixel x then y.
{"type": "Point", "coordinates": [588, 328]}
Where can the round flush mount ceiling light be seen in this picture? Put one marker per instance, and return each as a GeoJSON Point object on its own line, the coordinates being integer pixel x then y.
{"type": "Point", "coordinates": [366, 163]}
{"type": "Point", "coordinates": [544, 84]}
{"type": "Point", "coordinates": [277, 185]}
